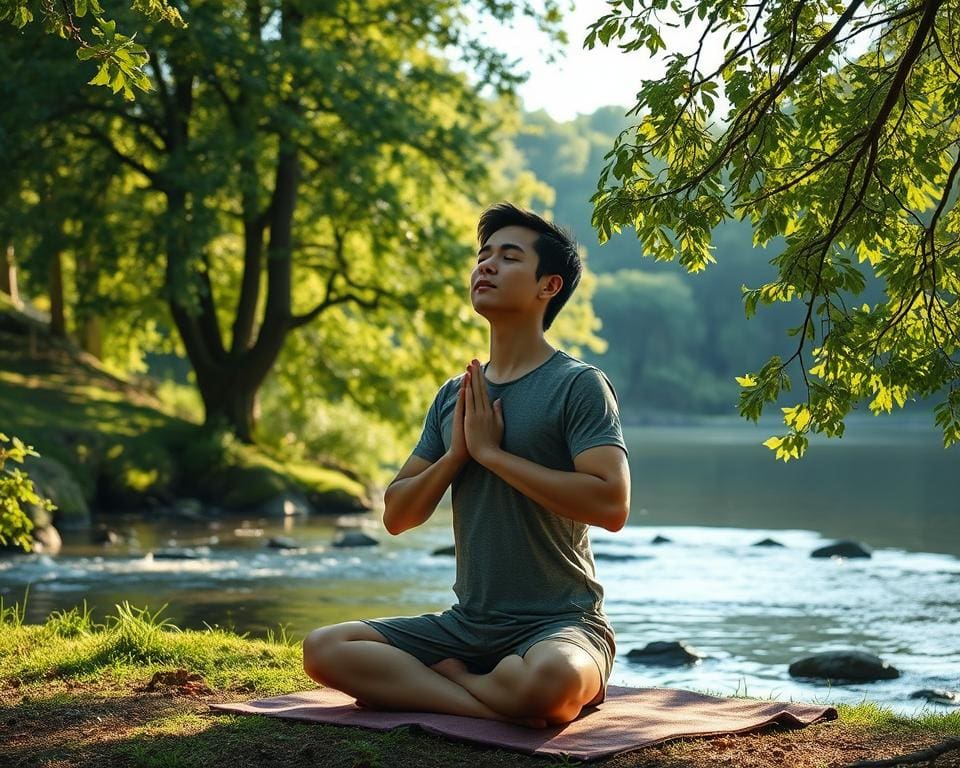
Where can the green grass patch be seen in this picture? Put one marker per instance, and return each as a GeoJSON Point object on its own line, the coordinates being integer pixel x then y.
{"type": "Point", "coordinates": [135, 642]}
{"type": "Point", "coordinates": [79, 699]}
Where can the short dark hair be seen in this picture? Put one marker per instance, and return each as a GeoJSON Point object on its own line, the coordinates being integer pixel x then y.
{"type": "Point", "coordinates": [556, 249]}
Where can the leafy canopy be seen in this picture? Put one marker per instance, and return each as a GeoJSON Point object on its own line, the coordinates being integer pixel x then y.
{"type": "Point", "coordinates": [840, 138]}
{"type": "Point", "coordinates": [120, 58]}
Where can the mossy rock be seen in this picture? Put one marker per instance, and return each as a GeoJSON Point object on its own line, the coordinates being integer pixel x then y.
{"type": "Point", "coordinates": [54, 481]}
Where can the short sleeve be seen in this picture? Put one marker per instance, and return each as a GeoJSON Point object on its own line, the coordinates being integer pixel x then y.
{"type": "Point", "coordinates": [430, 445]}
{"type": "Point", "coordinates": [591, 414]}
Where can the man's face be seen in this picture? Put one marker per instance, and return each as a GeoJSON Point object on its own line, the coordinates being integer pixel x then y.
{"type": "Point", "coordinates": [508, 261]}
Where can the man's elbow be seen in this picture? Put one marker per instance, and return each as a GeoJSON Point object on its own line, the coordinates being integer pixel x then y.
{"type": "Point", "coordinates": [617, 518]}
{"type": "Point", "coordinates": [390, 521]}
{"type": "Point", "coordinates": [391, 528]}
{"type": "Point", "coordinates": [393, 522]}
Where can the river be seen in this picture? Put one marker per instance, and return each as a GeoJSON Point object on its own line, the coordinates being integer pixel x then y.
{"type": "Point", "coordinates": [711, 489]}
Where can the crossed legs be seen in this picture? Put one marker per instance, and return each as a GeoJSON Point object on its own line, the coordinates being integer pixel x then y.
{"type": "Point", "coordinates": [547, 686]}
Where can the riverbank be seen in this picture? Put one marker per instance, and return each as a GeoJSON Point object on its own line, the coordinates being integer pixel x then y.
{"type": "Point", "coordinates": [136, 690]}
{"type": "Point", "coordinates": [112, 444]}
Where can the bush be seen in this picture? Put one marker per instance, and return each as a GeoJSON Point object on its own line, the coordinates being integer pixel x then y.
{"type": "Point", "coordinates": [17, 488]}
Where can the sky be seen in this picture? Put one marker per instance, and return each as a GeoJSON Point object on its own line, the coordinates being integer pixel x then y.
{"type": "Point", "coordinates": [583, 80]}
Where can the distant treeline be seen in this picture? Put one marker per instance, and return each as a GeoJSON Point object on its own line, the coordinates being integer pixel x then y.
{"type": "Point", "coordinates": [676, 340]}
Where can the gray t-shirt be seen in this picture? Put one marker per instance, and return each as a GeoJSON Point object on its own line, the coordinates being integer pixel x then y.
{"type": "Point", "coordinates": [516, 561]}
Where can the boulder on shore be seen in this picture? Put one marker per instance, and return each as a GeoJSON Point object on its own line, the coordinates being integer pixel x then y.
{"type": "Point", "coordinates": [844, 665]}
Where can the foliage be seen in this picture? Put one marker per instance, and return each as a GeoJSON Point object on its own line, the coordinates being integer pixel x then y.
{"type": "Point", "coordinates": [17, 488]}
{"type": "Point", "coordinates": [120, 59]}
{"type": "Point", "coordinates": [697, 375]}
{"type": "Point", "coordinates": [842, 138]}
{"type": "Point", "coordinates": [303, 196]}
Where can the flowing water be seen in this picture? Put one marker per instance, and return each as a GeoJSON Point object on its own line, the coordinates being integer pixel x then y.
{"type": "Point", "coordinates": [711, 489]}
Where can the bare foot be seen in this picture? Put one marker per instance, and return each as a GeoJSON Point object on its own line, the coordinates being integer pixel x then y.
{"type": "Point", "coordinates": [455, 669]}
{"type": "Point", "coordinates": [452, 669]}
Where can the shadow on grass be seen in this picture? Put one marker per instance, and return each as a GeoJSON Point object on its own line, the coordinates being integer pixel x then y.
{"type": "Point", "coordinates": [160, 731]}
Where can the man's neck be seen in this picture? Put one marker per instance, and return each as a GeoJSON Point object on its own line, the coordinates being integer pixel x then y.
{"type": "Point", "coordinates": [515, 351]}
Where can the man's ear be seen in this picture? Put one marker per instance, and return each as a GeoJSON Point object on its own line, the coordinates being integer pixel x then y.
{"type": "Point", "coordinates": [552, 287]}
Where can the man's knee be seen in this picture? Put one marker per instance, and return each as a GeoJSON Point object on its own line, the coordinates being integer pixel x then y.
{"type": "Point", "coordinates": [321, 646]}
{"type": "Point", "coordinates": [552, 689]}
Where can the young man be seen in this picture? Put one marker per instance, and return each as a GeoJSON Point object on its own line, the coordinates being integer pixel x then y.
{"type": "Point", "coordinates": [533, 447]}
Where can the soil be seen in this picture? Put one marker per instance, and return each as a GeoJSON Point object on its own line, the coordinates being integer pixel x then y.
{"type": "Point", "coordinates": [166, 721]}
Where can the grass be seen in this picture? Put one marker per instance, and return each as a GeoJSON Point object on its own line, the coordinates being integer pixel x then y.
{"type": "Point", "coordinates": [77, 693]}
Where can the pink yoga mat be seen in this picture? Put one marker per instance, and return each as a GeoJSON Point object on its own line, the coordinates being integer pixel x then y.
{"type": "Point", "coordinates": [629, 718]}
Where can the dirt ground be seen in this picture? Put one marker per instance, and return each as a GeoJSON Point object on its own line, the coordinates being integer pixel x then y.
{"type": "Point", "coordinates": [70, 725]}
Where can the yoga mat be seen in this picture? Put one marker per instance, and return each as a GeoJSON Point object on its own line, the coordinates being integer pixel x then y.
{"type": "Point", "coordinates": [629, 718]}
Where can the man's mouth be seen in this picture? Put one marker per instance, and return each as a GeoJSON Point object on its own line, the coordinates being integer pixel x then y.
{"type": "Point", "coordinates": [482, 284]}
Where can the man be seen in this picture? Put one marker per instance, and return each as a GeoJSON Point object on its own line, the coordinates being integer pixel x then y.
{"type": "Point", "coordinates": [533, 447]}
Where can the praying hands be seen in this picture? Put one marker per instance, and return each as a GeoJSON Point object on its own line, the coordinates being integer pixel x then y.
{"type": "Point", "coordinates": [477, 423]}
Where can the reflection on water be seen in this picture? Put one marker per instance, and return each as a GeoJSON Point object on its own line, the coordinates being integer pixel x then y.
{"type": "Point", "coordinates": [713, 491]}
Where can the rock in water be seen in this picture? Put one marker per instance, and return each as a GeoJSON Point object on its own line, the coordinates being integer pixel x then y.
{"type": "Point", "coordinates": [355, 539]}
{"type": "Point", "coordinates": [661, 540]}
{"type": "Point", "coordinates": [665, 654]}
{"type": "Point", "coordinates": [282, 542]}
{"type": "Point", "coordinates": [938, 696]}
{"type": "Point", "coordinates": [196, 553]}
{"type": "Point", "coordinates": [842, 549]}
{"type": "Point", "coordinates": [451, 550]}
{"type": "Point", "coordinates": [767, 543]}
{"type": "Point", "coordinates": [614, 556]}
{"type": "Point", "coordinates": [844, 665]}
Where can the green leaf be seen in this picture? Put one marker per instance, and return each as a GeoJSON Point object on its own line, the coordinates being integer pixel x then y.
{"type": "Point", "coordinates": [102, 77]}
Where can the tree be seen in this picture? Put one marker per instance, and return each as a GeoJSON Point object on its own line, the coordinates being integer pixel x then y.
{"type": "Point", "coordinates": [121, 60]}
{"type": "Point", "coordinates": [296, 166]}
{"type": "Point", "coordinates": [842, 138]}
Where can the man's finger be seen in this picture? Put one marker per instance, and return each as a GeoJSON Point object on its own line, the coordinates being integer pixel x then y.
{"type": "Point", "coordinates": [475, 385]}
{"type": "Point", "coordinates": [481, 388]}
{"type": "Point", "coordinates": [468, 397]}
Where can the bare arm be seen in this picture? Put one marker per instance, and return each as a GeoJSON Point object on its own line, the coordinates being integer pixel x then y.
{"type": "Point", "coordinates": [419, 485]}
{"type": "Point", "coordinates": [413, 496]}
{"type": "Point", "coordinates": [597, 493]}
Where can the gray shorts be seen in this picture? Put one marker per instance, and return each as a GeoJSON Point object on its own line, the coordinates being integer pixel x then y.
{"type": "Point", "coordinates": [432, 637]}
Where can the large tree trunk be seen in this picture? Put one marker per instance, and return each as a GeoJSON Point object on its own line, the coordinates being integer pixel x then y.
{"type": "Point", "coordinates": [233, 404]}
